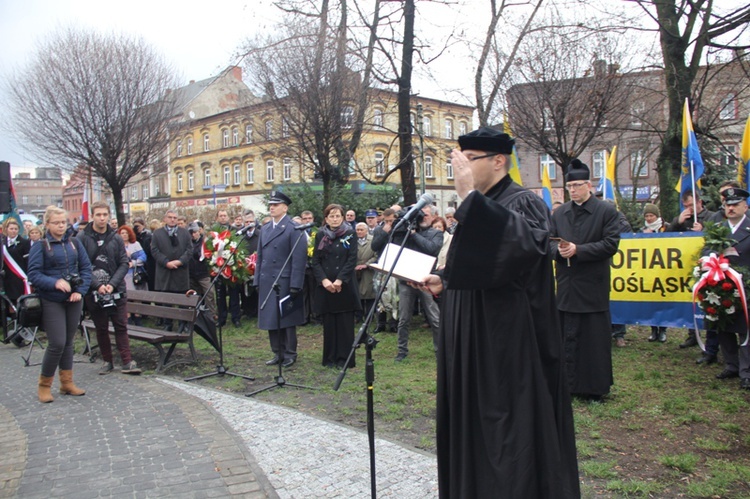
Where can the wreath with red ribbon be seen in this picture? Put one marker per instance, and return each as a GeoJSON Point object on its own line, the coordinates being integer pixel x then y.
{"type": "Point", "coordinates": [219, 247]}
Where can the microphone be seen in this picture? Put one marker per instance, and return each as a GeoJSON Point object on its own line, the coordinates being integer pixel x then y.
{"type": "Point", "coordinates": [424, 200]}
{"type": "Point", "coordinates": [244, 229]}
{"type": "Point", "coordinates": [305, 226]}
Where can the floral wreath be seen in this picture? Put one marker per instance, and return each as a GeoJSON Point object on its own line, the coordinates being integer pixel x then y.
{"type": "Point", "coordinates": [218, 247]}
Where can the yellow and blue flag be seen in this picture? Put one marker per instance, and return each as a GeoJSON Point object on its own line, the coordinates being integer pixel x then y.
{"type": "Point", "coordinates": [607, 183]}
{"type": "Point", "coordinates": [692, 163]}
{"type": "Point", "coordinates": [515, 170]}
{"type": "Point", "coordinates": [546, 188]}
{"type": "Point", "coordinates": [742, 171]}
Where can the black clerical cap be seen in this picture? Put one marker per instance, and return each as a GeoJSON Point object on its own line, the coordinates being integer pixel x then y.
{"type": "Point", "coordinates": [487, 139]}
{"type": "Point", "coordinates": [278, 197]}
{"type": "Point", "coordinates": [577, 171]}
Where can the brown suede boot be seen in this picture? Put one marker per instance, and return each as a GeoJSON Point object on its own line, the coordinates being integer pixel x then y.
{"type": "Point", "coordinates": [67, 387]}
{"type": "Point", "coordinates": [45, 385]}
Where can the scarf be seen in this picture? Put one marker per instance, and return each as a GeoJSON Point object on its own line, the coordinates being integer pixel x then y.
{"type": "Point", "coordinates": [329, 235]}
{"type": "Point", "coordinates": [655, 226]}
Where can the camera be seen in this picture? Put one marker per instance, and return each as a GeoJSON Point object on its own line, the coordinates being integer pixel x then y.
{"type": "Point", "coordinates": [404, 228]}
{"type": "Point", "coordinates": [73, 279]}
{"type": "Point", "coordinates": [105, 300]}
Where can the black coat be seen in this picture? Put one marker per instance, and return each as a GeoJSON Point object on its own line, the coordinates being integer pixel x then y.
{"type": "Point", "coordinates": [19, 251]}
{"type": "Point", "coordinates": [742, 236]}
{"type": "Point", "coordinates": [336, 261]}
{"type": "Point", "coordinates": [504, 419]}
{"type": "Point", "coordinates": [163, 250]}
{"type": "Point", "coordinates": [113, 257]}
{"type": "Point", "coordinates": [583, 283]}
{"type": "Point", "coordinates": [198, 267]}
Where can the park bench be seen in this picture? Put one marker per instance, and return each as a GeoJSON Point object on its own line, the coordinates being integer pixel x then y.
{"type": "Point", "coordinates": [158, 305]}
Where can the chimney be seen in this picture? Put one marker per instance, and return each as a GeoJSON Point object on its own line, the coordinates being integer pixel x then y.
{"type": "Point", "coordinates": [237, 73]}
{"type": "Point", "coordinates": [191, 82]}
{"type": "Point", "coordinates": [614, 68]}
{"type": "Point", "coordinates": [600, 68]}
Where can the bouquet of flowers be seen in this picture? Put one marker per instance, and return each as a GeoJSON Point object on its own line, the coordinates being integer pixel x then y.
{"type": "Point", "coordinates": [719, 289]}
{"type": "Point", "coordinates": [311, 242]}
{"type": "Point", "coordinates": [220, 247]}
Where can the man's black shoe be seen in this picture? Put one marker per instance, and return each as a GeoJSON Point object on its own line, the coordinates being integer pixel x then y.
{"type": "Point", "coordinates": [380, 329]}
{"type": "Point", "coordinates": [745, 384]}
{"type": "Point", "coordinates": [237, 323]}
{"type": "Point", "coordinates": [288, 363]}
{"type": "Point", "coordinates": [273, 361]}
{"type": "Point", "coordinates": [707, 359]}
{"type": "Point", "coordinates": [400, 357]}
{"type": "Point", "coordinates": [690, 342]}
{"type": "Point", "coordinates": [726, 374]}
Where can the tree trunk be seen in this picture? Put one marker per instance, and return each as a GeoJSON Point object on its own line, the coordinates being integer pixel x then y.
{"type": "Point", "coordinates": [117, 199]}
{"type": "Point", "coordinates": [406, 161]}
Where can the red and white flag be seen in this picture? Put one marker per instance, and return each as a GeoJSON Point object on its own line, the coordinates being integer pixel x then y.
{"type": "Point", "coordinates": [85, 203]}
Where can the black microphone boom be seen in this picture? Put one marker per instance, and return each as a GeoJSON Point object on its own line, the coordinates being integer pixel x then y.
{"type": "Point", "coordinates": [424, 200]}
{"type": "Point", "coordinates": [305, 226]}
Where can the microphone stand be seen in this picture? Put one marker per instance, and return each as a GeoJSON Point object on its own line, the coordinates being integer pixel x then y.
{"type": "Point", "coordinates": [370, 344]}
{"type": "Point", "coordinates": [279, 381]}
{"type": "Point", "coordinates": [220, 369]}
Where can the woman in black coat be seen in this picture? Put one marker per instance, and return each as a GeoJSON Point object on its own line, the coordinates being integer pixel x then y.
{"type": "Point", "coordinates": [18, 249]}
{"type": "Point", "coordinates": [337, 296]}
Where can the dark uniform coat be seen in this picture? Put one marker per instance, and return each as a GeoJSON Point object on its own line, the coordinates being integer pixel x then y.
{"type": "Point", "coordinates": [583, 283]}
{"type": "Point", "coordinates": [504, 419]}
{"type": "Point", "coordinates": [274, 246]}
{"type": "Point", "coordinates": [165, 249]}
{"type": "Point", "coordinates": [742, 236]}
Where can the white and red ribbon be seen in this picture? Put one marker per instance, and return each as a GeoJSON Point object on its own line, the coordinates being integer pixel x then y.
{"type": "Point", "coordinates": [18, 271]}
{"type": "Point", "coordinates": [715, 269]}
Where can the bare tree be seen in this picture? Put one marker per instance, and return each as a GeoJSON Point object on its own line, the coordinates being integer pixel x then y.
{"type": "Point", "coordinates": [311, 76]}
{"type": "Point", "coordinates": [569, 91]}
{"type": "Point", "coordinates": [96, 100]}
{"type": "Point", "coordinates": [687, 28]}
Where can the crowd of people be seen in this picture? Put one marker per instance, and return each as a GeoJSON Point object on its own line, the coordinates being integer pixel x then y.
{"type": "Point", "coordinates": [519, 315]}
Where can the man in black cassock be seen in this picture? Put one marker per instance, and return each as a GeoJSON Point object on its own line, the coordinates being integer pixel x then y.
{"type": "Point", "coordinates": [589, 232]}
{"type": "Point", "coordinates": [504, 420]}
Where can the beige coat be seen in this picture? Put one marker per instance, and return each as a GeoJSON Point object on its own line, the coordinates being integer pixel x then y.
{"type": "Point", "coordinates": [366, 255]}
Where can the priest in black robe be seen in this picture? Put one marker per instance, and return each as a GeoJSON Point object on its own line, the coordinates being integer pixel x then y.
{"type": "Point", "coordinates": [586, 233]}
{"type": "Point", "coordinates": [504, 419]}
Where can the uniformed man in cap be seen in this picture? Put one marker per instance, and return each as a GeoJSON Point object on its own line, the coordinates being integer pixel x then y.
{"type": "Point", "coordinates": [277, 239]}
{"type": "Point", "coordinates": [586, 233]}
{"type": "Point", "coordinates": [736, 356]}
{"type": "Point", "coordinates": [371, 219]}
{"type": "Point", "coordinates": [504, 419]}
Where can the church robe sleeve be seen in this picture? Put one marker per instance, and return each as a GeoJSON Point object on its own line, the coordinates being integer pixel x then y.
{"type": "Point", "coordinates": [494, 243]}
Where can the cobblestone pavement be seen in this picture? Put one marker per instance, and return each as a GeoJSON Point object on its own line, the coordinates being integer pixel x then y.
{"type": "Point", "coordinates": [140, 436]}
{"type": "Point", "coordinates": [129, 436]}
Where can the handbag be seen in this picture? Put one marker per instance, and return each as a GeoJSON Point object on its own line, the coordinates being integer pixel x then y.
{"type": "Point", "coordinates": [140, 275]}
{"type": "Point", "coordinates": [29, 310]}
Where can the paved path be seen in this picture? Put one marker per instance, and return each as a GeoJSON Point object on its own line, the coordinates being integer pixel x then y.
{"type": "Point", "coordinates": [141, 436]}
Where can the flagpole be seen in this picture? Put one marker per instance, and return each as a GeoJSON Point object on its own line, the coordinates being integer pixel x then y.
{"type": "Point", "coordinates": [692, 186]}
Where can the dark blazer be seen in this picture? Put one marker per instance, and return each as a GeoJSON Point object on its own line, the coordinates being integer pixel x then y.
{"type": "Point", "coordinates": [20, 253]}
{"type": "Point", "coordinates": [172, 280]}
{"type": "Point", "coordinates": [336, 261]}
{"type": "Point", "coordinates": [583, 284]}
{"type": "Point", "coordinates": [274, 246]}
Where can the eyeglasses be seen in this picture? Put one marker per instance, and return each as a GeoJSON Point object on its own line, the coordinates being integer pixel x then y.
{"type": "Point", "coordinates": [574, 186]}
{"type": "Point", "coordinates": [485, 156]}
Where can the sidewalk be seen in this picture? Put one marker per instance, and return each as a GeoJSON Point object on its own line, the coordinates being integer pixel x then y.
{"type": "Point", "coordinates": [150, 436]}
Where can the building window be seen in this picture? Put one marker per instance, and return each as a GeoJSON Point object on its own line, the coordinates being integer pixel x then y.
{"type": "Point", "coordinates": [269, 170]}
{"type": "Point", "coordinates": [39, 200]}
{"type": "Point", "coordinates": [347, 117]}
{"type": "Point", "coordinates": [144, 192]}
{"type": "Point", "coordinates": [426, 126]}
{"type": "Point", "coordinates": [729, 155]}
{"type": "Point", "coordinates": [413, 121]}
{"type": "Point", "coordinates": [157, 189]}
{"type": "Point", "coordinates": [462, 128]}
{"type": "Point", "coordinates": [206, 143]}
{"type": "Point", "coordinates": [448, 129]}
{"type": "Point", "coordinates": [284, 128]}
{"type": "Point", "coordinates": [235, 136]}
{"type": "Point", "coordinates": [547, 122]}
{"type": "Point", "coordinates": [449, 170]}
{"type": "Point", "coordinates": [179, 182]}
{"type": "Point", "coordinates": [189, 146]}
{"type": "Point", "coordinates": [207, 177]}
{"type": "Point", "coordinates": [377, 119]}
{"type": "Point", "coordinates": [379, 164]}
{"type": "Point", "coordinates": [598, 164]}
{"type": "Point", "coordinates": [636, 113]}
{"type": "Point", "coordinates": [546, 161]}
{"type": "Point", "coordinates": [428, 173]}
{"type": "Point", "coordinates": [269, 130]}
{"type": "Point", "coordinates": [287, 168]}
{"type": "Point", "coordinates": [134, 192]}
{"type": "Point", "coordinates": [638, 164]}
{"type": "Point", "coordinates": [237, 175]}
{"type": "Point", "coordinates": [728, 108]}
{"type": "Point", "coordinates": [225, 138]}
{"type": "Point", "coordinates": [179, 148]}
{"type": "Point", "coordinates": [227, 175]}
{"type": "Point", "coordinates": [24, 199]}
{"type": "Point", "coordinates": [191, 180]}
{"type": "Point", "coordinates": [249, 173]}
{"type": "Point", "coordinates": [248, 134]}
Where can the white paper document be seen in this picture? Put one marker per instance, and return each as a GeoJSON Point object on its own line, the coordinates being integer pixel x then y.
{"type": "Point", "coordinates": [411, 266]}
